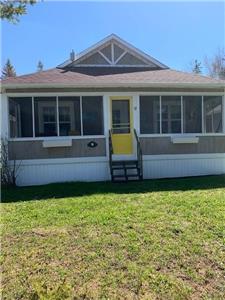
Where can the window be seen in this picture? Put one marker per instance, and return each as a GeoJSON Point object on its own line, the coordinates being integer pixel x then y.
{"type": "Point", "coordinates": [20, 117]}
{"type": "Point", "coordinates": [149, 114]}
{"type": "Point", "coordinates": [92, 115]}
{"type": "Point", "coordinates": [121, 116]}
{"type": "Point", "coordinates": [171, 114]}
{"type": "Point", "coordinates": [69, 116]}
{"type": "Point", "coordinates": [192, 114]}
{"type": "Point", "coordinates": [45, 116]}
{"type": "Point", "coordinates": [213, 114]}
{"type": "Point", "coordinates": [200, 114]}
{"type": "Point", "coordinates": [52, 118]}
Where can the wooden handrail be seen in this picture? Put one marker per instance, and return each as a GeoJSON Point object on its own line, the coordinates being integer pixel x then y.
{"type": "Point", "coordinates": [139, 153]}
{"type": "Point", "coordinates": [110, 150]}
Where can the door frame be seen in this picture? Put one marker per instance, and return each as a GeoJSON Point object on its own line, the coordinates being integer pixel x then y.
{"type": "Point", "coordinates": [130, 98]}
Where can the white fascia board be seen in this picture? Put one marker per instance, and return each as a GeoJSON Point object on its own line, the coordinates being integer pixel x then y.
{"type": "Point", "coordinates": [115, 85]}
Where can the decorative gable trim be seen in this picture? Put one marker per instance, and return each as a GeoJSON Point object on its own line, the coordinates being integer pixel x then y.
{"type": "Point", "coordinates": [112, 50]}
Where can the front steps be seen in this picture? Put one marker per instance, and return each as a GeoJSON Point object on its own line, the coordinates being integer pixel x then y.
{"type": "Point", "coordinates": [125, 170]}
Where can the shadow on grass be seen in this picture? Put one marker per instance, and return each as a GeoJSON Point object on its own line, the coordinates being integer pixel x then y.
{"type": "Point", "coordinates": [78, 189]}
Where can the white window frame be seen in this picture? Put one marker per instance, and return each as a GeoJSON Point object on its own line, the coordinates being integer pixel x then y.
{"type": "Point", "coordinates": [72, 119]}
{"type": "Point", "coordinates": [8, 118]}
{"type": "Point", "coordinates": [202, 123]}
{"type": "Point", "coordinates": [81, 136]}
{"type": "Point", "coordinates": [169, 120]}
{"type": "Point", "coordinates": [222, 112]}
{"type": "Point", "coordinates": [41, 116]}
{"type": "Point", "coordinates": [106, 96]}
{"type": "Point", "coordinates": [202, 133]}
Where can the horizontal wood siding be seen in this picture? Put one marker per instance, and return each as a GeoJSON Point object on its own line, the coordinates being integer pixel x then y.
{"type": "Point", "coordinates": [22, 150]}
{"type": "Point", "coordinates": [163, 145]}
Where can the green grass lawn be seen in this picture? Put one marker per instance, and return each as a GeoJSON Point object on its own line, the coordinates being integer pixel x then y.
{"type": "Point", "coordinates": [161, 239]}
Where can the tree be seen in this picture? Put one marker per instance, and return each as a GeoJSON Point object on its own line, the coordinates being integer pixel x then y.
{"type": "Point", "coordinates": [8, 70]}
{"type": "Point", "coordinates": [216, 65]}
{"type": "Point", "coordinates": [197, 68]}
{"type": "Point", "coordinates": [11, 9]}
{"type": "Point", "coordinates": [40, 66]}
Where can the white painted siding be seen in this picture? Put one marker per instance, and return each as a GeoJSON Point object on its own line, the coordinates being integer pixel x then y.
{"type": "Point", "coordinates": [36, 172]}
{"type": "Point", "coordinates": [165, 166]}
{"type": "Point", "coordinates": [44, 173]}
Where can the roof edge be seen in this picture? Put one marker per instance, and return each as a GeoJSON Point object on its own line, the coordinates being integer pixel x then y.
{"type": "Point", "coordinates": [111, 85]}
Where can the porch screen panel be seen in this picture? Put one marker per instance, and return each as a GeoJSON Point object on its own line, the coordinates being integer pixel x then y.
{"type": "Point", "coordinates": [149, 114]}
{"type": "Point", "coordinates": [20, 117]}
{"type": "Point", "coordinates": [192, 114]}
{"type": "Point", "coordinates": [69, 116]}
{"type": "Point", "coordinates": [171, 114]}
{"type": "Point", "coordinates": [45, 116]}
{"type": "Point", "coordinates": [213, 114]}
{"type": "Point", "coordinates": [121, 116]}
{"type": "Point", "coordinates": [92, 115]}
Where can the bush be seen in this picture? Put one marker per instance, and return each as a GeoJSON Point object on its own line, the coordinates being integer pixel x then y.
{"type": "Point", "coordinates": [9, 170]}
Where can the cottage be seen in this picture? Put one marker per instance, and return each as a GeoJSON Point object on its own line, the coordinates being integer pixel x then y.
{"type": "Point", "coordinates": [113, 112]}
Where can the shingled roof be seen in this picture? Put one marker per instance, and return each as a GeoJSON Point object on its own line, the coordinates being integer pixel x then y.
{"type": "Point", "coordinates": [109, 77]}
{"type": "Point", "coordinates": [112, 62]}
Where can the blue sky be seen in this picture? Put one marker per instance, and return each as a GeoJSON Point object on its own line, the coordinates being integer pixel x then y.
{"type": "Point", "coordinates": [175, 33]}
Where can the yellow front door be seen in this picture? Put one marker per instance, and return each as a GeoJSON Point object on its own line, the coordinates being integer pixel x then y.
{"type": "Point", "coordinates": [121, 122]}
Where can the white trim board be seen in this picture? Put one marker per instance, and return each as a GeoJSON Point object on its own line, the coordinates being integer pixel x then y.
{"type": "Point", "coordinates": [56, 161]}
{"type": "Point", "coordinates": [185, 140]}
{"type": "Point", "coordinates": [182, 135]}
{"type": "Point", "coordinates": [80, 137]}
{"type": "Point", "coordinates": [57, 143]}
{"type": "Point", "coordinates": [136, 85]}
{"type": "Point", "coordinates": [184, 156]}
{"type": "Point", "coordinates": [113, 39]}
{"type": "Point", "coordinates": [136, 93]}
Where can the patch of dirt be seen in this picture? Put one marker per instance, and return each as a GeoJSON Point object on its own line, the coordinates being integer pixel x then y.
{"type": "Point", "coordinates": [210, 277]}
{"type": "Point", "coordinates": [49, 231]}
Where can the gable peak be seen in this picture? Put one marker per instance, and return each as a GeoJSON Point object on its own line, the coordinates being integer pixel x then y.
{"type": "Point", "coordinates": [113, 51]}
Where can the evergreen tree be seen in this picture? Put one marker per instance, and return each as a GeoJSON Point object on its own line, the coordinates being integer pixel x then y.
{"type": "Point", "coordinates": [11, 10]}
{"type": "Point", "coordinates": [40, 66]}
{"type": "Point", "coordinates": [8, 70]}
{"type": "Point", "coordinates": [197, 68]}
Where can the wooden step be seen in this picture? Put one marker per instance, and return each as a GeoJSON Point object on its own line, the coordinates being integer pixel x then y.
{"type": "Point", "coordinates": [124, 167]}
{"type": "Point", "coordinates": [120, 170]}
{"type": "Point", "coordinates": [124, 162]}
